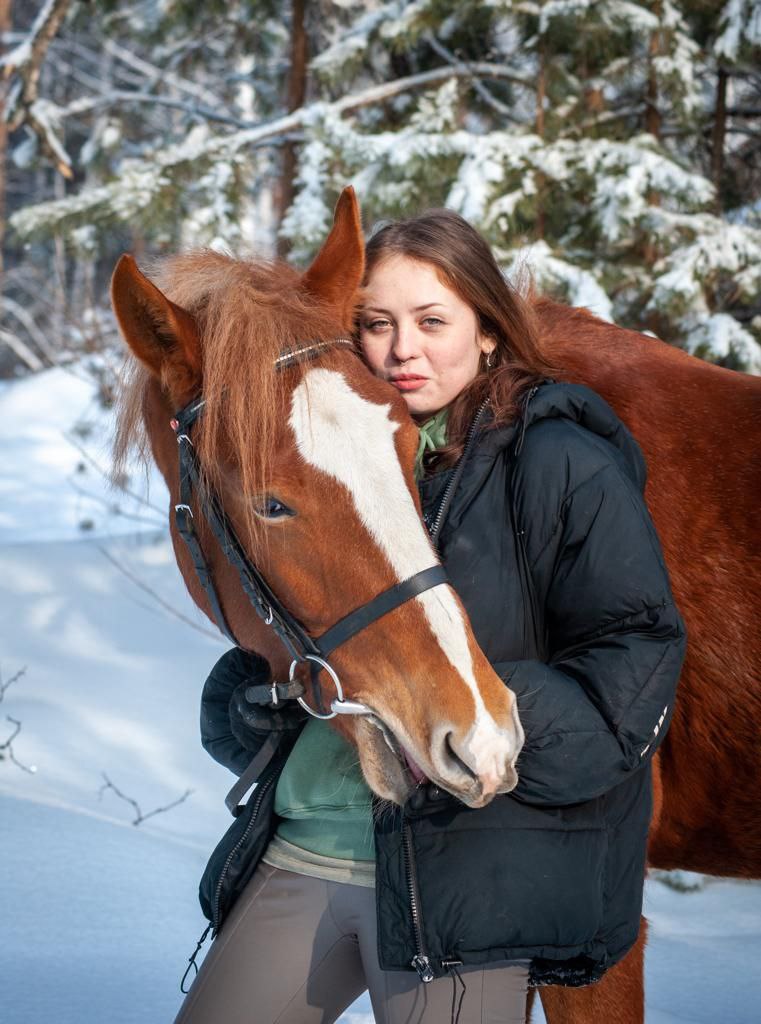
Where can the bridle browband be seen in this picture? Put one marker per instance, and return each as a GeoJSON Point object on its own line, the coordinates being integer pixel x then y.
{"type": "Point", "coordinates": [299, 644]}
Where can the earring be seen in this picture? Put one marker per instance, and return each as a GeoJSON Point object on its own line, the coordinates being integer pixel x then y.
{"type": "Point", "coordinates": [489, 359]}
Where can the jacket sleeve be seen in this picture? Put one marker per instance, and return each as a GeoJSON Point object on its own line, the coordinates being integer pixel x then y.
{"type": "Point", "coordinates": [217, 737]}
{"type": "Point", "coordinates": [600, 707]}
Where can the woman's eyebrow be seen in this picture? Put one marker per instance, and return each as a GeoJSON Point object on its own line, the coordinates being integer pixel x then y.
{"type": "Point", "coordinates": [417, 309]}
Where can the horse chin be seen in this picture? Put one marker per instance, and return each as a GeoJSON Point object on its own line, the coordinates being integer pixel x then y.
{"type": "Point", "coordinates": [384, 772]}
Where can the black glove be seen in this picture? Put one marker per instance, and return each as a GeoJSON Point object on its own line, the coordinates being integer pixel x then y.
{"type": "Point", "coordinates": [251, 722]}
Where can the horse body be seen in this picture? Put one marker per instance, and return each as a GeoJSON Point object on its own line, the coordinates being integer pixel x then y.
{"type": "Point", "coordinates": [699, 427]}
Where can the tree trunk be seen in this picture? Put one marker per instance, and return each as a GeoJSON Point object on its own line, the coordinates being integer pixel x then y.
{"type": "Point", "coordinates": [719, 133]}
{"type": "Point", "coordinates": [5, 26]}
{"type": "Point", "coordinates": [297, 82]}
{"type": "Point", "coordinates": [652, 113]}
{"type": "Point", "coordinates": [650, 250]}
{"type": "Point", "coordinates": [541, 92]}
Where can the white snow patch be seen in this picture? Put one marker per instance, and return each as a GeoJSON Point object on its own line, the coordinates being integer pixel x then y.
{"type": "Point", "coordinates": [49, 490]}
{"type": "Point", "coordinates": [100, 917]}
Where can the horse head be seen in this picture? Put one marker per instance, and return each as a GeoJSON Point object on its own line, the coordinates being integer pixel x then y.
{"type": "Point", "coordinates": [313, 464]}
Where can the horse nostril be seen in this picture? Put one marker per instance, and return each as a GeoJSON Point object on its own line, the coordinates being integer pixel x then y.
{"type": "Point", "coordinates": [458, 762]}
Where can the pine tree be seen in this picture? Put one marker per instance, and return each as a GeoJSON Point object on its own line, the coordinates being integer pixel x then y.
{"type": "Point", "coordinates": [601, 141]}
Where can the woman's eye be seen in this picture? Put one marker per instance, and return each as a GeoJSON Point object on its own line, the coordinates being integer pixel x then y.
{"type": "Point", "coordinates": [271, 508]}
{"type": "Point", "coordinates": [374, 325]}
{"type": "Point", "coordinates": [432, 321]}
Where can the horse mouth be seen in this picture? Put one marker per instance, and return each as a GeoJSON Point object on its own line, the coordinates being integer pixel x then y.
{"type": "Point", "coordinates": [394, 774]}
{"type": "Point", "coordinates": [390, 771]}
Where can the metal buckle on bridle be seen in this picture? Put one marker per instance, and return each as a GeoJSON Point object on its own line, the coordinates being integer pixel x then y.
{"type": "Point", "coordinates": [339, 705]}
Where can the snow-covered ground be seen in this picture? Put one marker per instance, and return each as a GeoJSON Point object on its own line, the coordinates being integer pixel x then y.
{"type": "Point", "coordinates": [98, 916]}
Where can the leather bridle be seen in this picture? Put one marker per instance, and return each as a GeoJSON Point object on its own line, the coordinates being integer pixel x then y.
{"type": "Point", "coordinates": [301, 646]}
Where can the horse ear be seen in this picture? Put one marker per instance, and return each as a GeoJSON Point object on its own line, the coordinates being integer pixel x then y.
{"type": "Point", "coordinates": [336, 273]}
{"type": "Point", "coordinates": [163, 336]}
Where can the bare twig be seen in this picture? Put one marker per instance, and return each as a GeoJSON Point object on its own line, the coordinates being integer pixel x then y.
{"type": "Point", "coordinates": [8, 745]}
{"type": "Point", "coordinates": [171, 78]}
{"type": "Point", "coordinates": [122, 96]}
{"type": "Point", "coordinates": [157, 597]}
{"type": "Point", "coordinates": [112, 507]}
{"type": "Point", "coordinates": [141, 499]}
{"type": "Point", "coordinates": [14, 678]}
{"type": "Point", "coordinates": [502, 108]}
{"type": "Point", "coordinates": [139, 816]}
{"type": "Point", "coordinates": [22, 350]}
{"type": "Point", "coordinates": [25, 318]}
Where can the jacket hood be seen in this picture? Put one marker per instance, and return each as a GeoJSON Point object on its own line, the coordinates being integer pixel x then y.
{"type": "Point", "coordinates": [578, 403]}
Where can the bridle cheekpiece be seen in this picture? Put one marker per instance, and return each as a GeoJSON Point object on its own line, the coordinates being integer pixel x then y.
{"type": "Point", "coordinates": [300, 645]}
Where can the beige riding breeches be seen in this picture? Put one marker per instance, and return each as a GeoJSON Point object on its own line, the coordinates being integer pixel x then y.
{"type": "Point", "coordinates": [299, 950]}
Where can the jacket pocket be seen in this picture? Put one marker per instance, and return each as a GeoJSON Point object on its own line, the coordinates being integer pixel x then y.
{"type": "Point", "coordinates": [526, 881]}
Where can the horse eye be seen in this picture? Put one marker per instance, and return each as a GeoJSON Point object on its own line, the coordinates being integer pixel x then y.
{"type": "Point", "coordinates": [271, 508]}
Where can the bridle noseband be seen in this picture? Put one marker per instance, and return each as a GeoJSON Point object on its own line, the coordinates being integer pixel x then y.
{"type": "Point", "coordinates": [300, 645]}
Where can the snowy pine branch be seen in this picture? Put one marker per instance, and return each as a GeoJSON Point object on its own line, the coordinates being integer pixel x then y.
{"type": "Point", "coordinates": [141, 182]}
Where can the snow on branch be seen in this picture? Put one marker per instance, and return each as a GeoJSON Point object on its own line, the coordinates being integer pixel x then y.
{"type": "Point", "coordinates": [140, 182]}
{"type": "Point", "coordinates": [21, 68]}
{"type": "Point", "coordinates": [740, 25]}
{"type": "Point", "coordinates": [21, 350]}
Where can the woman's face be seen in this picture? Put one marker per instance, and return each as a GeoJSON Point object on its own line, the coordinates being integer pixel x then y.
{"type": "Point", "coordinates": [419, 335]}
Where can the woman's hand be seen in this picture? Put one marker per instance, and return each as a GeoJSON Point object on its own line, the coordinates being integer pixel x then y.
{"type": "Point", "coordinates": [231, 727]}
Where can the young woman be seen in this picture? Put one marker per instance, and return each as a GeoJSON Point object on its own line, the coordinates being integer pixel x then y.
{"type": "Point", "coordinates": [532, 490]}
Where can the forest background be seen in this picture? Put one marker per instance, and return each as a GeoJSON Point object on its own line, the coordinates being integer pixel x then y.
{"type": "Point", "coordinates": [612, 146]}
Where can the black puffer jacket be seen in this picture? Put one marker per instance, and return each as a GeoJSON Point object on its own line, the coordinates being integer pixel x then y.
{"type": "Point", "coordinates": [550, 546]}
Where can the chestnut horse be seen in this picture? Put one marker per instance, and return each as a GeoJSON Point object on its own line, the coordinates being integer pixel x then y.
{"type": "Point", "coordinates": [222, 322]}
{"type": "Point", "coordinates": [699, 427]}
{"type": "Point", "coordinates": [312, 464]}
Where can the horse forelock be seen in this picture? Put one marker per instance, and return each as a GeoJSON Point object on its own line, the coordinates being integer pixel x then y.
{"type": "Point", "coordinates": [247, 313]}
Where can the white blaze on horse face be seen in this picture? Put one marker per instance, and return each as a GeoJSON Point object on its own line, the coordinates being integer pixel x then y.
{"type": "Point", "coordinates": [342, 434]}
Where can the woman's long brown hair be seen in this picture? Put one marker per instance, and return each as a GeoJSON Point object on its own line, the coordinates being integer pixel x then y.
{"type": "Point", "coordinates": [464, 262]}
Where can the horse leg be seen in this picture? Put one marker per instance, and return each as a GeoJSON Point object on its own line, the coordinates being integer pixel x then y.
{"type": "Point", "coordinates": [618, 998]}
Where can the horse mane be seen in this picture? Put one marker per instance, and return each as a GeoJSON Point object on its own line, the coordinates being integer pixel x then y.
{"type": "Point", "coordinates": [247, 311]}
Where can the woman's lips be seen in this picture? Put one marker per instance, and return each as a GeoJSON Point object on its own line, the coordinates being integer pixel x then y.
{"type": "Point", "coordinates": [411, 383]}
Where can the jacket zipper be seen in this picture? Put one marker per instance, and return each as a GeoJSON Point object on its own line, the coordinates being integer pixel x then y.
{"type": "Point", "coordinates": [260, 792]}
{"type": "Point", "coordinates": [524, 419]}
{"type": "Point", "coordinates": [456, 473]}
{"type": "Point", "coordinates": [420, 961]}
{"type": "Point", "coordinates": [524, 568]}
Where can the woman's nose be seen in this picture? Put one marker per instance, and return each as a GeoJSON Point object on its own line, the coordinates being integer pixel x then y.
{"type": "Point", "coordinates": [404, 345]}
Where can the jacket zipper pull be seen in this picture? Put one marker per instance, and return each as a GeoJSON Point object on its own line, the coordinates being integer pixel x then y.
{"type": "Point", "coordinates": [423, 966]}
{"type": "Point", "coordinates": [192, 960]}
